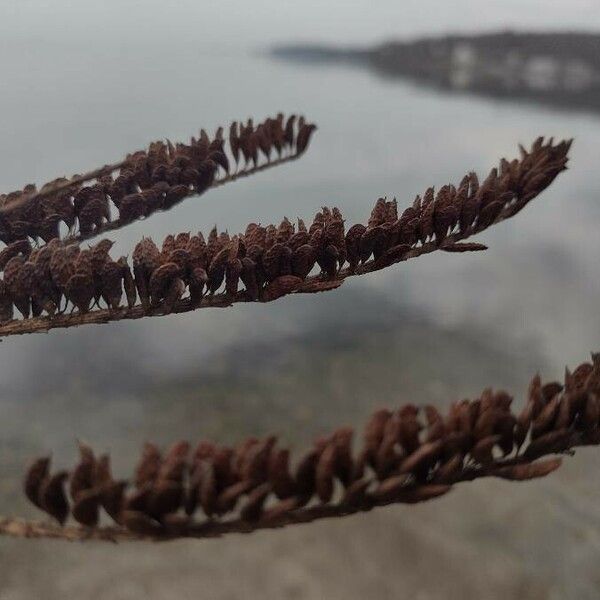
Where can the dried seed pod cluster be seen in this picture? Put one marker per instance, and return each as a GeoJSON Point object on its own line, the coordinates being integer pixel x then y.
{"type": "Point", "coordinates": [266, 262]}
{"type": "Point", "coordinates": [408, 455]}
{"type": "Point", "coordinates": [47, 279]}
{"type": "Point", "coordinates": [148, 181]}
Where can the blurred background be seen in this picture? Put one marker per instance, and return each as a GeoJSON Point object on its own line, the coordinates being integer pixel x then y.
{"type": "Point", "coordinates": [82, 83]}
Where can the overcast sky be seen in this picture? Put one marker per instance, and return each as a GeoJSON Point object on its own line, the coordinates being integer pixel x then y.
{"type": "Point", "coordinates": [225, 23]}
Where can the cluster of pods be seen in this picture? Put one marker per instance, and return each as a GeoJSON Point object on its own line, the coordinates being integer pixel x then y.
{"type": "Point", "coordinates": [269, 262]}
{"type": "Point", "coordinates": [408, 455]}
{"type": "Point", "coordinates": [148, 180]}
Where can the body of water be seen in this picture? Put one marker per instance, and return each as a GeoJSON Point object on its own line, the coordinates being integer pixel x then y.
{"type": "Point", "coordinates": [435, 329]}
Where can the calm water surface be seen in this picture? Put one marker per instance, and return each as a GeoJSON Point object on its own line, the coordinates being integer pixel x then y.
{"type": "Point", "coordinates": [432, 330]}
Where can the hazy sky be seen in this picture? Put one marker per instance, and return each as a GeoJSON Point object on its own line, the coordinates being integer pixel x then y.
{"type": "Point", "coordinates": [225, 23]}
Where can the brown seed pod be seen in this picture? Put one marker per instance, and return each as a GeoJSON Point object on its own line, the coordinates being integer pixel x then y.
{"type": "Point", "coordinates": [34, 478]}
{"type": "Point", "coordinates": [253, 508]}
{"type": "Point", "coordinates": [374, 431]}
{"type": "Point", "coordinates": [552, 442]}
{"type": "Point", "coordinates": [436, 428]}
{"type": "Point", "coordinates": [82, 477]}
{"type": "Point", "coordinates": [426, 453]}
{"type": "Point", "coordinates": [112, 498]}
{"type": "Point", "coordinates": [249, 278]}
{"type": "Point", "coordinates": [52, 497]}
{"type": "Point", "coordinates": [564, 415]}
{"type": "Point", "coordinates": [303, 260]}
{"type": "Point", "coordinates": [18, 248]}
{"type": "Point", "coordinates": [176, 455]}
{"type": "Point", "coordinates": [160, 281]}
{"type": "Point", "coordinates": [255, 460]}
{"type": "Point", "coordinates": [371, 240]}
{"type": "Point", "coordinates": [394, 254]}
{"type": "Point", "coordinates": [168, 246]}
{"type": "Point", "coordinates": [138, 499]}
{"type": "Point", "coordinates": [61, 268]}
{"type": "Point", "coordinates": [549, 390]}
{"type": "Point", "coordinates": [147, 470]}
{"type": "Point", "coordinates": [198, 281]}
{"type": "Point", "coordinates": [128, 282]}
{"type": "Point", "coordinates": [273, 259]}
{"type": "Point", "coordinates": [111, 278]}
{"type": "Point", "coordinates": [233, 272]}
{"type": "Point", "coordinates": [482, 451]}
{"type": "Point", "coordinates": [226, 472]}
{"type": "Point", "coordinates": [592, 382]}
{"type": "Point", "coordinates": [176, 193]}
{"type": "Point", "coordinates": [80, 290]}
{"type": "Point", "coordinates": [451, 468]}
{"type": "Point", "coordinates": [389, 453]}
{"type": "Point", "coordinates": [389, 488]}
{"type": "Point", "coordinates": [355, 494]}
{"type": "Point", "coordinates": [591, 413]}
{"type": "Point", "coordinates": [304, 134]}
{"type": "Point", "coordinates": [17, 285]}
{"type": "Point", "coordinates": [543, 422]}
{"type": "Point", "coordinates": [378, 213]}
{"type": "Point", "coordinates": [132, 207]}
{"type": "Point", "coordinates": [6, 303]}
{"type": "Point", "coordinates": [324, 473]}
{"type": "Point", "coordinates": [409, 428]}
{"type": "Point", "coordinates": [327, 259]}
{"type": "Point", "coordinates": [305, 474]}
{"type": "Point", "coordinates": [181, 257]}
{"type": "Point", "coordinates": [279, 475]}
{"type": "Point", "coordinates": [166, 497]}
{"type": "Point", "coordinates": [297, 240]}
{"type": "Point", "coordinates": [487, 420]}
{"type": "Point", "coordinates": [228, 498]}
{"type": "Point", "coordinates": [404, 231]}
{"type": "Point", "coordinates": [86, 508]}
{"type": "Point", "coordinates": [207, 488]}
{"type": "Point", "coordinates": [234, 142]}
{"type": "Point", "coordinates": [197, 249]}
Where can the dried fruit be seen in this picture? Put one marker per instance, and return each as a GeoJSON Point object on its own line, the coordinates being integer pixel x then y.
{"type": "Point", "coordinates": [409, 455]}
{"type": "Point", "coordinates": [269, 262]}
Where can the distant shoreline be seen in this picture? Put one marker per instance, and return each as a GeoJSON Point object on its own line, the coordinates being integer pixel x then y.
{"type": "Point", "coordinates": [555, 69]}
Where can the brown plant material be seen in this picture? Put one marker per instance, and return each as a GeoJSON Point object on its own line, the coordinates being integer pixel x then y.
{"type": "Point", "coordinates": [155, 179]}
{"type": "Point", "coordinates": [263, 263]}
{"type": "Point", "coordinates": [408, 455]}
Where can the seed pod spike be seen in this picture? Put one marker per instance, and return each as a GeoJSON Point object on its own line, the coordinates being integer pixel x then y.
{"type": "Point", "coordinates": [146, 181]}
{"type": "Point", "coordinates": [251, 487]}
{"type": "Point", "coordinates": [264, 263]}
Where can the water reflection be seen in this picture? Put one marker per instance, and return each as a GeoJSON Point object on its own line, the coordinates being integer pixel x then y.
{"type": "Point", "coordinates": [557, 69]}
